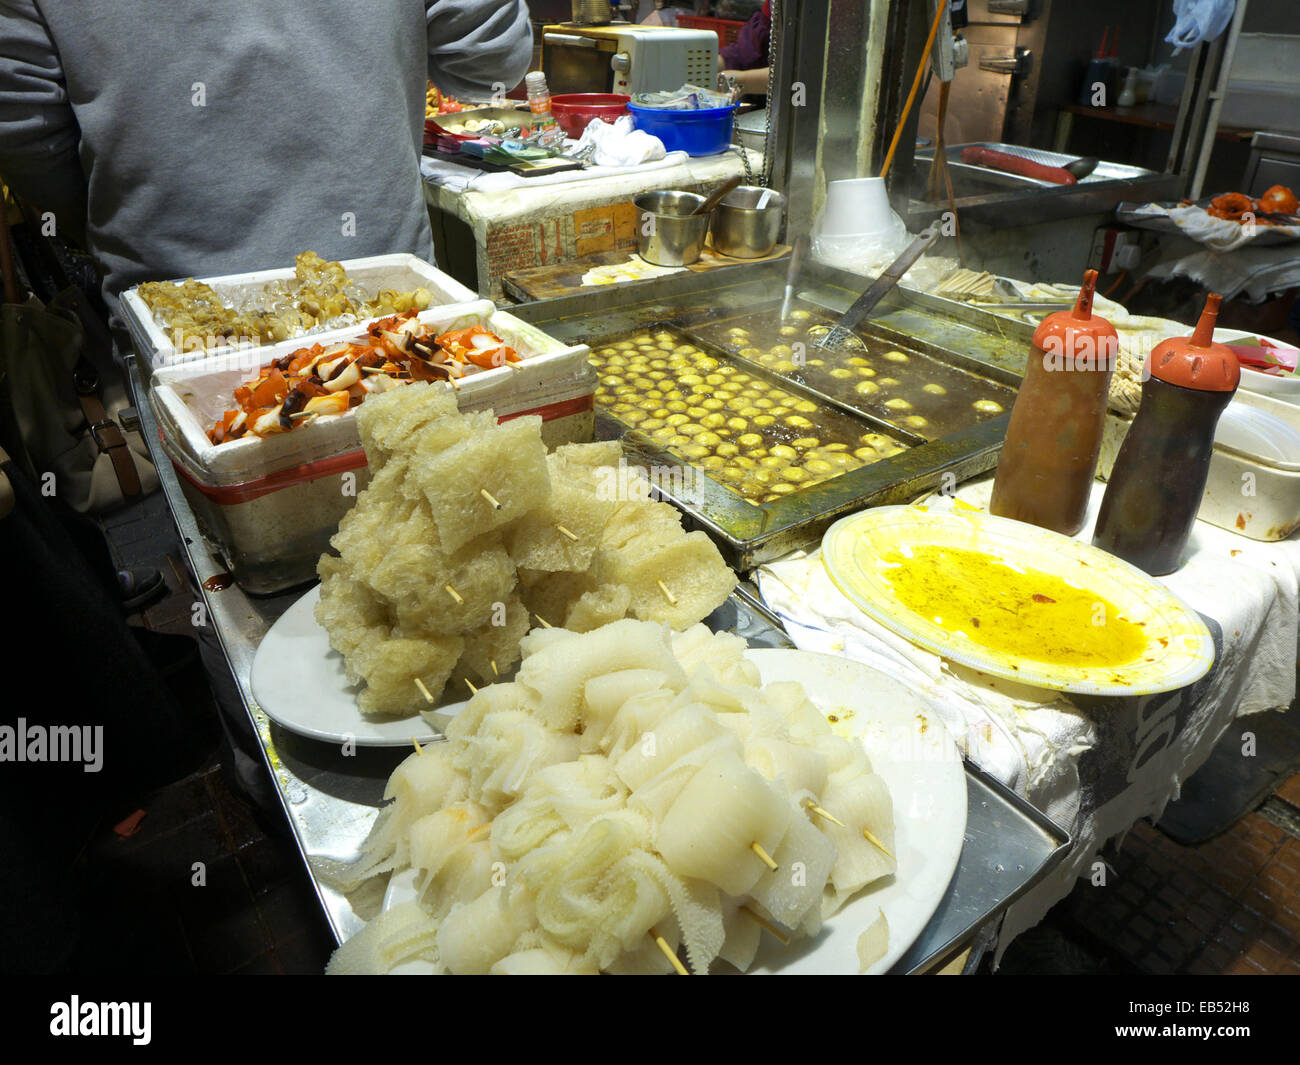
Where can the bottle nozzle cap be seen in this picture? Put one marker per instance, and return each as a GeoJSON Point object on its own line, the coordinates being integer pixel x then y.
{"type": "Point", "coordinates": [1196, 361]}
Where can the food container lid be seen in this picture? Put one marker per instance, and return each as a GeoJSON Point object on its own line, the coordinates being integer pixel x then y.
{"type": "Point", "coordinates": [1078, 333]}
{"type": "Point", "coordinates": [1196, 361]}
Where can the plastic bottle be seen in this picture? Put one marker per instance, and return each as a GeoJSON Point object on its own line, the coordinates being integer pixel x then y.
{"type": "Point", "coordinates": [1159, 477]}
{"type": "Point", "coordinates": [1053, 440]}
{"type": "Point", "coordinates": [539, 97]}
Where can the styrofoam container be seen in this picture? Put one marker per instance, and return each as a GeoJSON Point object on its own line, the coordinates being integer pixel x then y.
{"type": "Point", "coordinates": [1254, 481]}
{"type": "Point", "coordinates": [401, 272]}
{"type": "Point", "coordinates": [268, 505]}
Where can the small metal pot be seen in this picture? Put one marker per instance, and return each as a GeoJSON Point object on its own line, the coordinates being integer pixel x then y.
{"type": "Point", "coordinates": [744, 230]}
{"type": "Point", "coordinates": [667, 234]}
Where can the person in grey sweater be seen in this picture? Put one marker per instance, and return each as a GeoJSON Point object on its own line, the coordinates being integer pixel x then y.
{"type": "Point", "coordinates": [190, 139]}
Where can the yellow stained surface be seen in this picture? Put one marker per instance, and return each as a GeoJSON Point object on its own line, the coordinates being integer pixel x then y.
{"type": "Point", "coordinates": [1029, 614]}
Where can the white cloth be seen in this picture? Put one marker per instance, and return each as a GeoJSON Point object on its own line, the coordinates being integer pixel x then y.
{"type": "Point", "coordinates": [618, 144]}
{"type": "Point", "coordinates": [1255, 273]}
{"type": "Point", "coordinates": [459, 178]}
{"type": "Point", "coordinates": [1218, 234]}
{"type": "Point", "coordinates": [1093, 766]}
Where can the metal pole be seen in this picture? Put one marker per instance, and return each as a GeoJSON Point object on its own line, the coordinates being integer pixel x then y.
{"type": "Point", "coordinates": [1216, 101]}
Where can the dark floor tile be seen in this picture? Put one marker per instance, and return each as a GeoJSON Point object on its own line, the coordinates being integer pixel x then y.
{"type": "Point", "coordinates": [225, 945]}
{"type": "Point", "coordinates": [267, 964]}
{"type": "Point", "coordinates": [268, 862]}
{"type": "Point", "coordinates": [305, 954]}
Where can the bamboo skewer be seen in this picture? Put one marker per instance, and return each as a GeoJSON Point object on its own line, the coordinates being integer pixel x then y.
{"type": "Point", "coordinates": [767, 858]}
{"type": "Point", "coordinates": [453, 593]}
{"type": "Point", "coordinates": [495, 503]}
{"type": "Point", "coordinates": [668, 953]}
{"type": "Point", "coordinates": [472, 690]}
{"type": "Point", "coordinates": [416, 744]}
{"type": "Point", "coordinates": [672, 599]}
{"type": "Point", "coordinates": [428, 696]}
{"type": "Point", "coordinates": [870, 837]}
{"type": "Point", "coordinates": [916, 84]}
{"type": "Point", "coordinates": [495, 672]}
{"type": "Point", "coordinates": [543, 621]}
{"type": "Point", "coordinates": [767, 926]}
{"type": "Point", "coordinates": [565, 532]}
{"type": "Point", "coordinates": [824, 813]}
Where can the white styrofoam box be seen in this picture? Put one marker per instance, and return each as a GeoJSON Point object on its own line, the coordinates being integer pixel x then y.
{"type": "Point", "coordinates": [1262, 105]}
{"type": "Point", "coordinates": [1252, 494]}
{"type": "Point", "coordinates": [401, 272]}
{"type": "Point", "coordinates": [1267, 57]}
{"type": "Point", "coordinates": [270, 504]}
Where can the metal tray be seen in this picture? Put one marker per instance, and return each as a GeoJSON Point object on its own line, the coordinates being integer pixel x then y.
{"type": "Point", "coordinates": [1105, 171]}
{"type": "Point", "coordinates": [749, 534]}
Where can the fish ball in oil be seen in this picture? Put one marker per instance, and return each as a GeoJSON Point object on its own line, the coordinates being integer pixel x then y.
{"type": "Point", "coordinates": [934, 389]}
{"type": "Point", "coordinates": [866, 388]}
{"type": "Point", "coordinates": [987, 406]}
{"type": "Point", "coordinates": [799, 316]}
{"type": "Point", "coordinates": [898, 404]}
{"type": "Point", "coordinates": [915, 421]}
{"type": "Point", "coordinates": [895, 356]}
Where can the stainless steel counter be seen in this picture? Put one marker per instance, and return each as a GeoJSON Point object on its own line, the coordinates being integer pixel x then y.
{"type": "Point", "coordinates": [330, 799]}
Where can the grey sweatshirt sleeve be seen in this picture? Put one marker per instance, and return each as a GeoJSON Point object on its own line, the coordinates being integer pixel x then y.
{"type": "Point", "coordinates": [475, 45]}
{"type": "Point", "coordinates": [38, 132]}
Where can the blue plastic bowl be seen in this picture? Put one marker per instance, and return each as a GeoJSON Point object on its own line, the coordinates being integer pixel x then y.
{"type": "Point", "coordinates": [693, 132]}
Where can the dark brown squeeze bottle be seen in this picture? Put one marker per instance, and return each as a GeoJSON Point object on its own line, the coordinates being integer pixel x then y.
{"type": "Point", "coordinates": [1159, 477]}
{"type": "Point", "coordinates": [1053, 440]}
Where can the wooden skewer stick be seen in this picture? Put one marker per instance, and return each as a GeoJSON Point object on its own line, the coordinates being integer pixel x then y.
{"type": "Point", "coordinates": [543, 621]}
{"type": "Point", "coordinates": [767, 858]}
{"type": "Point", "coordinates": [428, 696]}
{"type": "Point", "coordinates": [453, 593]}
{"type": "Point", "coordinates": [566, 532]}
{"type": "Point", "coordinates": [870, 837]}
{"type": "Point", "coordinates": [672, 599]}
{"type": "Point", "coordinates": [495, 503]}
{"type": "Point", "coordinates": [767, 925]}
{"type": "Point", "coordinates": [823, 813]}
{"type": "Point", "coordinates": [473, 690]}
{"type": "Point", "coordinates": [374, 369]}
{"type": "Point", "coordinates": [416, 744]}
{"type": "Point", "coordinates": [423, 348]}
{"type": "Point", "coordinates": [495, 672]}
{"type": "Point", "coordinates": [668, 953]}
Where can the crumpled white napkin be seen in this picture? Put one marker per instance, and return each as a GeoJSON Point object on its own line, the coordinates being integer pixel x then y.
{"type": "Point", "coordinates": [619, 144]}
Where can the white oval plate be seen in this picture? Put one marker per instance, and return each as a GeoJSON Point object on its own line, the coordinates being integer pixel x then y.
{"type": "Point", "coordinates": [1179, 647]}
{"type": "Point", "coordinates": [299, 681]}
{"type": "Point", "coordinates": [910, 748]}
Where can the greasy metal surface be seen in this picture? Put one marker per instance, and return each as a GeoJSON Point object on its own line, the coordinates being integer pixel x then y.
{"type": "Point", "coordinates": [1105, 171]}
{"type": "Point", "coordinates": [1009, 847]}
{"type": "Point", "coordinates": [1016, 209]}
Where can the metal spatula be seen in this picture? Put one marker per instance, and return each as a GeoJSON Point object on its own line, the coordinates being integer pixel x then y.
{"type": "Point", "coordinates": [840, 334]}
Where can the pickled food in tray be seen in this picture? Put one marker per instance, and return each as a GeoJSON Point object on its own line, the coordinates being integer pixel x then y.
{"type": "Point", "coordinates": [922, 395]}
{"type": "Point", "coordinates": [754, 437]}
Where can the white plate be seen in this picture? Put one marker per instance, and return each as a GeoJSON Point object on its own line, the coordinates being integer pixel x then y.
{"type": "Point", "coordinates": [1178, 648]}
{"type": "Point", "coordinates": [298, 680]}
{"type": "Point", "coordinates": [910, 748]}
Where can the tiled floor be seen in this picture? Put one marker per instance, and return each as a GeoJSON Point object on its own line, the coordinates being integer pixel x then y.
{"type": "Point", "coordinates": [1230, 905]}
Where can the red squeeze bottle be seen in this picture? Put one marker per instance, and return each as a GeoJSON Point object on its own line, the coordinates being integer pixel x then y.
{"type": "Point", "coordinates": [1159, 477]}
{"type": "Point", "coordinates": [1050, 454]}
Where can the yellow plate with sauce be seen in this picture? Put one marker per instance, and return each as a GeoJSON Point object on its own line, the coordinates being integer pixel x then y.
{"type": "Point", "coordinates": [1017, 601]}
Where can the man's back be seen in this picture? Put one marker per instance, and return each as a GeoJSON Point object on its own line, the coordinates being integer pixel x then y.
{"type": "Point", "coordinates": [229, 135]}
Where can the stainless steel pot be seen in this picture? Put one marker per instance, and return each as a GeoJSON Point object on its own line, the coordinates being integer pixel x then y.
{"type": "Point", "coordinates": [744, 230]}
{"type": "Point", "coordinates": [667, 234]}
{"type": "Point", "coordinates": [591, 12]}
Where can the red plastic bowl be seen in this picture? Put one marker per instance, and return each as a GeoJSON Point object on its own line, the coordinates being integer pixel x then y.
{"type": "Point", "coordinates": [573, 110]}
